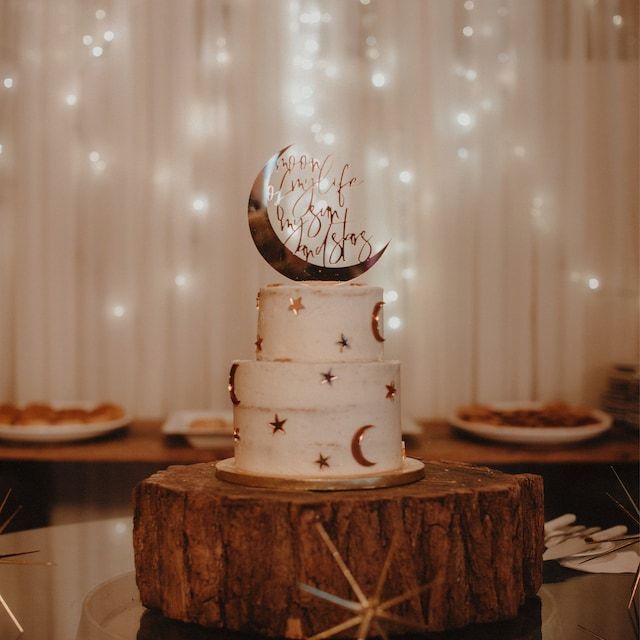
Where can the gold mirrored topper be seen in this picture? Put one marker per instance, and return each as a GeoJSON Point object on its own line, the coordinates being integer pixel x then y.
{"type": "Point", "coordinates": [300, 220]}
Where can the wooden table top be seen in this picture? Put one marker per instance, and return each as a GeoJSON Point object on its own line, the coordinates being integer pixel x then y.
{"type": "Point", "coordinates": [143, 441]}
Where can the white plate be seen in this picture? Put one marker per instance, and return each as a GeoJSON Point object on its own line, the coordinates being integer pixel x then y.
{"type": "Point", "coordinates": [201, 438]}
{"type": "Point", "coordinates": [45, 433]}
{"type": "Point", "coordinates": [533, 435]}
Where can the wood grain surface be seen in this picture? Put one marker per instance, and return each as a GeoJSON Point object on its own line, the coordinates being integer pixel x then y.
{"type": "Point", "coordinates": [232, 557]}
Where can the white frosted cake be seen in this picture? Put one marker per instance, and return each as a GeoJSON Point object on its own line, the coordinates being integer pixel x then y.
{"type": "Point", "coordinates": [319, 400]}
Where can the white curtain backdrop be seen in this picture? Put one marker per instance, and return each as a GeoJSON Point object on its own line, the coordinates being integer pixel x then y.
{"type": "Point", "coordinates": [504, 134]}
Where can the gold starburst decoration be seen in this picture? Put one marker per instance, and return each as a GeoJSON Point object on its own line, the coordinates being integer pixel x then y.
{"type": "Point", "coordinates": [11, 558]}
{"type": "Point", "coordinates": [626, 541]}
{"type": "Point", "coordinates": [368, 611]}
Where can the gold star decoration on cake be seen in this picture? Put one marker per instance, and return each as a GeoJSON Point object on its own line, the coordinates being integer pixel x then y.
{"type": "Point", "coordinates": [277, 424]}
{"type": "Point", "coordinates": [369, 611]}
{"type": "Point", "coordinates": [258, 344]}
{"type": "Point", "coordinates": [322, 461]}
{"type": "Point", "coordinates": [391, 391]}
{"type": "Point", "coordinates": [343, 342]}
{"type": "Point", "coordinates": [295, 305]}
{"type": "Point", "coordinates": [236, 434]}
{"type": "Point", "coordinates": [328, 378]}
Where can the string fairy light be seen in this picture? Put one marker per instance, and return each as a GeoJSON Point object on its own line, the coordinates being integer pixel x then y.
{"type": "Point", "coordinates": [378, 79]}
{"type": "Point", "coordinates": [223, 56]}
{"type": "Point", "coordinates": [200, 204]}
{"type": "Point", "coordinates": [408, 273]}
{"type": "Point", "coordinates": [97, 163]}
{"type": "Point", "coordinates": [118, 311]}
{"type": "Point", "coordinates": [181, 280]}
{"type": "Point", "coordinates": [311, 45]}
{"type": "Point", "coordinates": [331, 71]}
{"type": "Point", "coordinates": [519, 151]}
{"type": "Point", "coordinates": [308, 45]}
{"type": "Point", "coordinates": [464, 119]}
{"type": "Point", "coordinates": [305, 110]}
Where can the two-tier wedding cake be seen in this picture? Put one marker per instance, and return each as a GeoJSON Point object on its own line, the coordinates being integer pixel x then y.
{"type": "Point", "coordinates": [319, 399]}
{"type": "Point", "coordinates": [249, 548]}
{"type": "Point", "coordinates": [319, 403]}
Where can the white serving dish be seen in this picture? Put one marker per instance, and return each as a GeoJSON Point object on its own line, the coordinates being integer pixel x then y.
{"type": "Point", "coordinates": [52, 433]}
{"type": "Point", "coordinates": [178, 424]}
{"type": "Point", "coordinates": [548, 435]}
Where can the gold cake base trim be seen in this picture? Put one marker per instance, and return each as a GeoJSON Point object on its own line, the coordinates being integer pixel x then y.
{"type": "Point", "coordinates": [412, 470]}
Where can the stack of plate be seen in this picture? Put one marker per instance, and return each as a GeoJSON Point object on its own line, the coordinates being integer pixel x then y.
{"type": "Point", "coordinates": [621, 398]}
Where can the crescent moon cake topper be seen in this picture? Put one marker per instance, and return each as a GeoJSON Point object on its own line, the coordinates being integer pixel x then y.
{"type": "Point", "coordinates": [300, 220]}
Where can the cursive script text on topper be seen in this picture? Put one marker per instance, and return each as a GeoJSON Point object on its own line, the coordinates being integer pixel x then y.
{"type": "Point", "coordinates": [311, 200]}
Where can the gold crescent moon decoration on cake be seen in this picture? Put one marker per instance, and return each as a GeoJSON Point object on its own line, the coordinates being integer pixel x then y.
{"type": "Point", "coordinates": [356, 447]}
{"type": "Point", "coordinates": [375, 321]}
{"type": "Point", "coordinates": [274, 251]}
{"type": "Point", "coordinates": [232, 383]}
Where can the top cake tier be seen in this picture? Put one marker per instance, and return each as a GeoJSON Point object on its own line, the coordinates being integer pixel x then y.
{"type": "Point", "coordinates": [320, 322]}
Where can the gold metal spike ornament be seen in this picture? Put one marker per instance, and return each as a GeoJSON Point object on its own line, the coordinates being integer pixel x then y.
{"type": "Point", "coordinates": [369, 611]}
{"type": "Point", "coordinates": [10, 628]}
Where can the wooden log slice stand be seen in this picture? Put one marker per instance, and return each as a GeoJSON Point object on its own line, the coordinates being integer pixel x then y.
{"type": "Point", "coordinates": [232, 557]}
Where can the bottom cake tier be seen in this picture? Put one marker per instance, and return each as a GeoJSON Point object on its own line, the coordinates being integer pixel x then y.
{"type": "Point", "coordinates": [467, 548]}
{"type": "Point", "coordinates": [308, 419]}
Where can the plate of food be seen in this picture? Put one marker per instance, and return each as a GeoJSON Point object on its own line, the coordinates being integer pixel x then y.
{"type": "Point", "coordinates": [60, 421]}
{"type": "Point", "coordinates": [533, 423]}
{"type": "Point", "coordinates": [202, 429]}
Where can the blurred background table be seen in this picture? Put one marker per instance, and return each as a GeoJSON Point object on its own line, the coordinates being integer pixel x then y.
{"type": "Point", "coordinates": [93, 479]}
{"type": "Point", "coordinates": [143, 442]}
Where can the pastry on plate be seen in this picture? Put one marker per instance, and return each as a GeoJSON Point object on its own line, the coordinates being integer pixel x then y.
{"type": "Point", "coordinates": [70, 416]}
{"type": "Point", "coordinates": [210, 423]}
{"type": "Point", "coordinates": [36, 413]}
{"type": "Point", "coordinates": [105, 412]}
{"type": "Point", "coordinates": [8, 413]}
